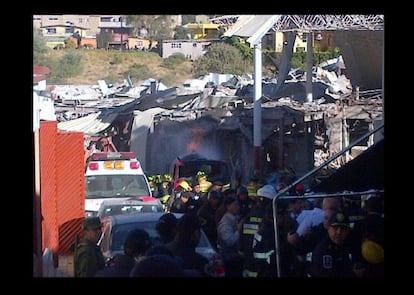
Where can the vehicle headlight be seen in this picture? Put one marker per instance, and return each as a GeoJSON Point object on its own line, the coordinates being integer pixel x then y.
{"type": "Point", "coordinates": [90, 213]}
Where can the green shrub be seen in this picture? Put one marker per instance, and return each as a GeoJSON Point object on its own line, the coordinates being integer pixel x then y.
{"type": "Point", "coordinates": [223, 59]}
{"type": "Point", "coordinates": [69, 65]}
{"type": "Point", "coordinates": [173, 61]}
{"type": "Point", "coordinates": [139, 72]}
{"type": "Point", "coordinates": [116, 58]}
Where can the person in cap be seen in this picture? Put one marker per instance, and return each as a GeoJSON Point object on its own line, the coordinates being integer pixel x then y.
{"type": "Point", "coordinates": [331, 256]}
{"type": "Point", "coordinates": [251, 223]}
{"type": "Point", "coordinates": [88, 258]}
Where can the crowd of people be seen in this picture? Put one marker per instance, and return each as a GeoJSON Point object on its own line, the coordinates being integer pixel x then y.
{"type": "Point", "coordinates": [317, 237]}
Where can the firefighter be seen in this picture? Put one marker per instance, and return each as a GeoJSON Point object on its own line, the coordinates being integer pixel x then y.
{"type": "Point", "coordinates": [153, 185]}
{"type": "Point", "coordinates": [252, 187]}
{"type": "Point", "coordinates": [264, 249]}
{"type": "Point", "coordinates": [204, 183]}
{"type": "Point", "coordinates": [164, 188]}
{"type": "Point", "coordinates": [181, 187]}
{"type": "Point", "coordinates": [251, 223]}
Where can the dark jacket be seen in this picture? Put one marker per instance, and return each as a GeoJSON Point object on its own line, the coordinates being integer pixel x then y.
{"type": "Point", "coordinates": [330, 260]}
{"type": "Point", "coordinates": [88, 259]}
{"type": "Point", "coordinates": [208, 215]}
{"type": "Point", "coordinates": [187, 255]}
{"type": "Point", "coordinates": [122, 266]}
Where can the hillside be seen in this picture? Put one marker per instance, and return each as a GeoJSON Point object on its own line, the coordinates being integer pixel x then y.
{"type": "Point", "coordinates": [113, 66]}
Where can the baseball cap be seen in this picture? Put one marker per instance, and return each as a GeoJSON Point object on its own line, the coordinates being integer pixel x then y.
{"type": "Point", "coordinates": [339, 219]}
{"type": "Point", "coordinates": [91, 223]}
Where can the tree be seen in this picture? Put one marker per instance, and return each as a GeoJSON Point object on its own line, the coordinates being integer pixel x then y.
{"type": "Point", "coordinates": [39, 48]}
{"type": "Point", "coordinates": [159, 27]}
{"type": "Point", "coordinates": [102, 39]}
{"type": "Point", "coordinates": [181, 33]}
{"type": "Point", "coordinates": [188, 18]}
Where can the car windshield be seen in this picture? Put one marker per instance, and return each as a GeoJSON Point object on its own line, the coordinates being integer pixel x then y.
{"type": "Point", "coordinates": [116, 209]}
{"type": "Point", "coordinates": [108, 186]}
{"type": "Point", "coordinates": [120, 232]}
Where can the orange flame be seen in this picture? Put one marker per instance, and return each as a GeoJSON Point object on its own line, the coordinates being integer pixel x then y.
{"type": "Point", "coordinates": [197, 138]}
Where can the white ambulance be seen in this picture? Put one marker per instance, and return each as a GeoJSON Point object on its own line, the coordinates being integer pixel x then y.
{"type": "Point", "coordinates": [113, 175]}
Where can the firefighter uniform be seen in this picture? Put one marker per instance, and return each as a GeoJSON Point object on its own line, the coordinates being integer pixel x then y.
{"type": "Point", "coordinates": [251, 227]}
{"type": "Point", "coordinates": [204, 183]}
{"type": "Point", "coordinates": [264, 252]}
{"type": "Point", "coordinates": [264, 247]}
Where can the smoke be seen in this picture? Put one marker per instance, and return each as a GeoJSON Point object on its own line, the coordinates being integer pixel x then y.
{"type": "Point", "coordinates": [204, 144]}
{"type": "Point", "coordinates": [196, 139]}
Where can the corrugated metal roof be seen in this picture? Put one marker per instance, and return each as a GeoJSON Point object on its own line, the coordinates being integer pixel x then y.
{"type": "Point", "coordinates": [96, 122]}
{"type": "Point", "coordinates": [91, 124]}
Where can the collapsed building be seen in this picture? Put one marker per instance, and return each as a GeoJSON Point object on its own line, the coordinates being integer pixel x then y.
{"type": "Point", "coordinates": [160, 124]}
{"type": "Point", "coordinates": [295, 135]}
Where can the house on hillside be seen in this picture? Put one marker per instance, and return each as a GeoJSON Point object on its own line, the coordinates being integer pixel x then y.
{"type": "Point", "coordinates": [139, 43]}
{"type": "Point", "coordinates": [192, 49]}
{"type": "Point", "coordinates": [56, 35]}
{"type": "Point", "coordinates": [118, 30]}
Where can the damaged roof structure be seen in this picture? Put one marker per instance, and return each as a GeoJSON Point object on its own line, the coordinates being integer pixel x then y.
{"type": "Point", "coordinates": [161, 123]}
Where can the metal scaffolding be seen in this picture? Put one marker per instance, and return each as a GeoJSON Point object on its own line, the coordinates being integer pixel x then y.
{"type": "Point", "coordinates": [326, 22]}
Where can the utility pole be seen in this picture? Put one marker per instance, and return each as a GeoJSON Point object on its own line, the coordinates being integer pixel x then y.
{"type": "Point", "coordinates": [257, 111]}
{"type": "Point", "coordinates": [122, 41]}
{"type": "Point", "coordinates": [309, 64]}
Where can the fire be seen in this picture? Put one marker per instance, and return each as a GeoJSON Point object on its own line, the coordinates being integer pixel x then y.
{"type": "Point", "coordinates": [197, 138]}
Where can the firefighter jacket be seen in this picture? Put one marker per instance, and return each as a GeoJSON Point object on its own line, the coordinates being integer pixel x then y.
{"type": "Point", "coordinates": [250, 227]}
{"type": "Point", "coordinates": [264, 255]}
{"type": "Point", "coordinates": [264, 252]}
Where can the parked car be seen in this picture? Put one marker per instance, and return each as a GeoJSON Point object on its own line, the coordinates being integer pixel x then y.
{"type": "Point", "coordinates": [128, 206]}
{"type": "Point", "coordinates": [117, 227]}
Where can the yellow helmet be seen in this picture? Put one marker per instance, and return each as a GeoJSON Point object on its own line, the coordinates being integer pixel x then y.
{"type": "Point", "coordinates": [185, 185]}
{"type": "Point", "coordinates": [201, 174]}
{"type": "Point", "coordinates": [166, 177]}
{"type": "Point", "coordinates": [372, 252]}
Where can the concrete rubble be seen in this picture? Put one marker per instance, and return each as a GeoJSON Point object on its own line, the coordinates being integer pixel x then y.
{"type": "Point", "coordinates": [217, 98]}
